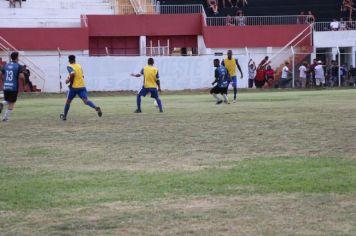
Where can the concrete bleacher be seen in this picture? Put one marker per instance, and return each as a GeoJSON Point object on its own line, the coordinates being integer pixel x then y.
{"type": "Point", "coordinates": [51, 13]}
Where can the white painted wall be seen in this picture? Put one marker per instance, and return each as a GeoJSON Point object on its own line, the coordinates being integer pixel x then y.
{"type": "Point", "coordinates": [112, 73]}
{"type": "Point", "coordinates": [329, 39]}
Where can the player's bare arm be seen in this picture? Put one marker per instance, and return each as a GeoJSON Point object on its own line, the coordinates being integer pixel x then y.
{"type": "Point", "coordinates": [135, 75]}
{"type": "Point", "coordinates": [158, 85]}
{"type": "Point", "coordinates": [70, 78]}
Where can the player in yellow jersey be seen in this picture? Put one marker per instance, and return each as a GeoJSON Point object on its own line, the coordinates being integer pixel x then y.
{"type": "Point", "coordinates": [77, 87]}
{"type": "Point", "coordinates": [150, 84]}
{"type": "Point", "coordinates": [231, 63]}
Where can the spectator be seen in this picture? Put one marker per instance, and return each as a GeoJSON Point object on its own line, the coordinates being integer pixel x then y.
{"type": "Point", "coordinates": [12, 3]}
{"type": "Point", "coordinates": [348, 5]}
{"type": "Point", "coordinates": [334, 74]}
{"type": "Point", "coordinates": [310, 18]}
{"type": "Point", "coordinates": [264, 62]}
{"type": "Point", "coordinates": [214, 7]}
{"type": "Point", "coordinates": [251, 73]}
{"type": "Point", "coordinates": [269, 77]}
{"type": "Point", "coordinates": [260, 78]}
{"type": "Point", "coordinates": [302, 18]}
{"type": "Point", "coordinates": [335, 25]}
{"type": "Point", "coordinates": [27, 74]}
{"type": "Point", "coordinates": [158, 7]}
{"type": "Point", "coordinates": [229, 21]}
{"type": "Point", "coordinates": [319, 74]}
{"type": "Point", "coordinates": [311, 81]}
{"type": "Point", "coordinates": [342, 25]}
{"type": "Point", "coordinates": [284, 82]}
{"type": "Point", "coordinates": [240, 18]}
{"type": "Point", "coordinates": [352, 76]}
{"type": "Point", "coordinates": [2, 63]}
{"type": "Point", "coordinates": [224, 3]}
{"type": "Point", "coordinates": [343, 74]}
{"type": "Point", "coordinates": [241, 3]}
{"type": "Point", "coordinates": [301, 82]}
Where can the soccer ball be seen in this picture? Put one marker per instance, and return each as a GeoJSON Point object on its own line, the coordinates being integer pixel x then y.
{"type": "Point", "coordinates": [155, 103]}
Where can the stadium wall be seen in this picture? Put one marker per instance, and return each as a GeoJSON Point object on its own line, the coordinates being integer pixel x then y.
{"type": "Point", "coordinates": [112, 73]}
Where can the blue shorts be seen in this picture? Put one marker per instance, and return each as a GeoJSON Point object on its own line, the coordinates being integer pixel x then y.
{"type": "Point", "coordinates": [81, 92]}
{"type": "Point", "coordinates": [234, 81]}
{"type": "Point", "coordinates": [145, 91]}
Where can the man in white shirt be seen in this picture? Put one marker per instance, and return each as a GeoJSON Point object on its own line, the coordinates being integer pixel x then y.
{"type": "Point", "coordinates": [335, 25]}
{"type": "Point", "coordinates": [319, 74]}
{"type": "Point", "coordinates": [302, 75]}
{"type": "Point", "coordinates": [285, 81]}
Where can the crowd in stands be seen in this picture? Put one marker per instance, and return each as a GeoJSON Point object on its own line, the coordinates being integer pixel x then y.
{"type": "Point", "coordinates": [316, 74]}
{"type": "Point", "coordinates": [214, 5]}
{"type": "Point", "coordinates": [12, 3]}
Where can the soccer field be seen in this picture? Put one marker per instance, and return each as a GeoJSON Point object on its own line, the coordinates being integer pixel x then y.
{"type": "Point", "coordinates": [275, 163]}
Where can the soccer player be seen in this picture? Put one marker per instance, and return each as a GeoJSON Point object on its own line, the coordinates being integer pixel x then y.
{"type": "Point", "coordinates": [222, 80]}
{"type": "Point", "coordinates": [150, 84]}
{"type": "Point", "coordinates": [231, 63]}
{"type": "Point", "coordinates": [11, 74]}
{"type": "Point", "coordinates": [77, 87]}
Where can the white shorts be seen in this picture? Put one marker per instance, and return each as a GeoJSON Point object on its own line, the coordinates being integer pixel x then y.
{"type": "Point", "coordinates": [319, 80]}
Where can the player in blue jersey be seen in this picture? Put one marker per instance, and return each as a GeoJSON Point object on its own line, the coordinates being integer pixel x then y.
{"type": "Point", "coordinates": [11, 74]}
{"type": "Point", "coordinates": [222, 81]}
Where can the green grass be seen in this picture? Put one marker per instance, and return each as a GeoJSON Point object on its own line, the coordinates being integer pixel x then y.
{"type": "Point", "coordinates": [22, 189]}
{"type": "Point", "coordinates": [275, 163]}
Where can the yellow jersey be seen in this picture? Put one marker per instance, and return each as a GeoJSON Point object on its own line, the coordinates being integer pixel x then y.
{"type": "Point", "coordinates": [78, 81]}
{"type": "Point", "coordinates": [150, 75]}
{"type": "Point", "coordinates": [230, 65]}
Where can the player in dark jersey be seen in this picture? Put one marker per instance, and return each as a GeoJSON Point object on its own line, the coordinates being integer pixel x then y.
{"type": "Point", "coordinates": [222, 81]}
{"type": "Point", "coordinates": [11, 74]}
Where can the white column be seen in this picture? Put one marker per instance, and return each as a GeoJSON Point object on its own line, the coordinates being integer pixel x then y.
{"type": "Point", "coordinates": [142, 45]}
{"type": "Point", "coordinates": [202, 50]}
{"type": "Point", "coordinates": [353, 56]}
{"type": "Point", "coordinates": [334, 52]}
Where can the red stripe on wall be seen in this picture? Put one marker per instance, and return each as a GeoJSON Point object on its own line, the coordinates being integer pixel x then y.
{"type": "Point", "coordinates": [252, 36]}
{"type": "Point", "coordinates": [149, 25]}
{"type": "Point", "coordinates": [46, 39]}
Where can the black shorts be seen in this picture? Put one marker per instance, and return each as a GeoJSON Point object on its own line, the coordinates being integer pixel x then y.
{"type": "Point", "coordinates": [218, 90]}
{"type": "Point", "coordinates": [10, 96]}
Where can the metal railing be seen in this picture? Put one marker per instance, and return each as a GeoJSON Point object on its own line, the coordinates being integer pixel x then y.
{"type": "Point", "coordinates": [254, 20]}
{"type": "Point", "coordinates": [340, 26]}
{"type": "Point", "coordinates": [38, 75]}
{"type": "Point", "coordinates": [160, 9]}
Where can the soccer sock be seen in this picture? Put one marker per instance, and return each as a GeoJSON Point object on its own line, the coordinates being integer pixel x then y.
{"type": "Point", "coordinates": [138, 101]}
{"type": "Point", "coordinates": [235, 92]}
{"type": "Point", "coordinates": [216, 97]}
{"type": "Point", "coordinates": [91, 104]}
{"type": "Point", "coordinates": [225, 98]}
{"type": "Point", "coordinates": [66, 109]}
{"type": "Point", "coordinates": [159, 103]}
{"type": "Point", "coordinates": [7, 114]}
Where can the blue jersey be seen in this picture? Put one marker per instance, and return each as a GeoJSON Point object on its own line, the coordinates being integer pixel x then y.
{"type": "Point", "coordinates": [11, 73]}
{"type": "Point", "coordinates": [222, 76]}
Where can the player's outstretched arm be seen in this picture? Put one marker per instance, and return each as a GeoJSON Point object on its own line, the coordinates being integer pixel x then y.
{"type": "Point", "coordinates": [135, 75]}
